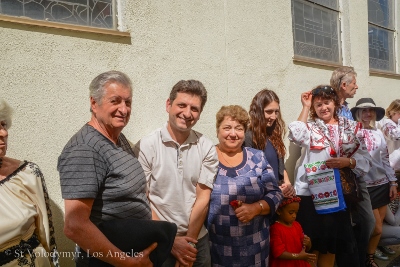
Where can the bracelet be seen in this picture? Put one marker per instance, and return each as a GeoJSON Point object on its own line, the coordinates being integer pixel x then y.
{"type": "Point", "coordinates": [394, 184]}
{"type": "Point", "coordinates": [351, 162]}
{"type": "Point", "coordinates": [262, 206]}
{"type": "Point", "coordinates": [294, 255]}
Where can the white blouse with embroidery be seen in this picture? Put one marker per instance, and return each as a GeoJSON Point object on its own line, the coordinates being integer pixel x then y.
{"type": "Point", "coordinates": [300, 134]}
{"type": "Point", "coordinates": [391, 131]}
{"type": "Point", "coordinates": [381, 172]}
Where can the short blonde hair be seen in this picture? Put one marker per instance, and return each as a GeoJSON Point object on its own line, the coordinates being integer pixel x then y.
{"type": "Point", "coordinates": [393, 107]}
{"type": "Point", "coordinates": [236, 113]}
{"type": "Point", "coordinates": [5, 113]}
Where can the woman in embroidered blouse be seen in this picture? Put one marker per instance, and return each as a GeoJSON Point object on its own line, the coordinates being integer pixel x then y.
{"type": "Point", "coordinates": [380, 174]}
{"type": "Point", "coordinates": [26, 232]}
{"type": "Point", "coordinates": [266, 132]}
{"type": "Point", "coordinates": [332, 232]}
{"type": "Point", "coordinates": [390, 127]}
{"type": "Point", "coordinates": [239, 233]}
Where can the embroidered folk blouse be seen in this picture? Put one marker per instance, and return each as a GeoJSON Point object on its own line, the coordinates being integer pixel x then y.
{"type": "Point", "coordinates": [313, 137]}
{"type": "Point", "coordinates": [380, 172]}
{"type": "Point", "coordinates": [391, 131]}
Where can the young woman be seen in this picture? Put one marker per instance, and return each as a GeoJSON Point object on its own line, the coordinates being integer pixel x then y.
{"type": "Point", "coordinates": [381, 181]}
{"type": "Point", "coordinates": [266, 133]}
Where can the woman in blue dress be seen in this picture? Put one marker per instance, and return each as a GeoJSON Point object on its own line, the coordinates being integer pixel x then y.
{"type": "Point", "coordinates": [244, 197]}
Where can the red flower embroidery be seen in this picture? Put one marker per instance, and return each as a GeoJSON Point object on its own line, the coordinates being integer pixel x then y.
{"type": "Point", "coordinates": [314, 169]}
{"type": "Point", "coordinates": [308, 170]}
{"type": "Point", "coordinates": [327, 194]}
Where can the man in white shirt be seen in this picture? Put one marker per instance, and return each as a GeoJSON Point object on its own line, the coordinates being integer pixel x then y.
{"type": "Point", "coordinates": [180, 165]}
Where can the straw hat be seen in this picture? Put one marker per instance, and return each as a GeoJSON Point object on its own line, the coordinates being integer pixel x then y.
{"type": "Point", "coordinates": [368, 103]}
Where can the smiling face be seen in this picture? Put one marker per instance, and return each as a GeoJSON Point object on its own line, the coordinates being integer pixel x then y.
{"type": "Point", "coordinates": [114, 110]}
{"type": "Point", "coordinates": [183, 112]}
{"type": "Point", "coordinates": [3, 138]}
{"type": "Point", "coordinates": [230, 135]}
{"type": "Point", "coordinates": [325, 109]}
{"type": "Point", "coordinates": [367, 115]}
{"type": "Point", "coordinates": [271, 113]}
{"type": "Point", "coordinates": [288, 213]}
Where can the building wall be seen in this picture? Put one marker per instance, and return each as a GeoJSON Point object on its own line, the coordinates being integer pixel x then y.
{"type": "Point", "coordinates": [234, 48]}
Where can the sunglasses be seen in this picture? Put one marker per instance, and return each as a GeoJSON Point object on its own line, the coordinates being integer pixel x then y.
{"type": "Point", "coordinates": [323, 89]}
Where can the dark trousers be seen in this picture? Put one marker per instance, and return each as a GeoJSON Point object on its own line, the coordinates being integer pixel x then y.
{"type": "Point", "coordinates": [365, 224]}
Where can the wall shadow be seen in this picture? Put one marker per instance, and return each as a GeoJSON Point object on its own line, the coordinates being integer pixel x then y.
{"type": "Point", "coordinates": [63, 243]}
{"type": "Point", "coordinates": [290, 163]}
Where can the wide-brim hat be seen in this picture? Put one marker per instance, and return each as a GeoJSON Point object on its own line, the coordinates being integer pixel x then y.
{"type": "Point", "coordinates": [368, 103]}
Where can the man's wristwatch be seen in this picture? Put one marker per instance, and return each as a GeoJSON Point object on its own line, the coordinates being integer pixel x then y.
{"type": "Point", "coordinates": [192, 244]}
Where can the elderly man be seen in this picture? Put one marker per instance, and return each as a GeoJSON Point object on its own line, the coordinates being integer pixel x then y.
{"type": "Point", "coordinates": [100, 177]}
{"type": "Point", "coordinates": [344, 82]}
{"type": "Point", "coordinates": [180, 166]}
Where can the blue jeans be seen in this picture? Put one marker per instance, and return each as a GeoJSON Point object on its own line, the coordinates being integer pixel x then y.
{"type": "Point", "coordinates": [203, 257]}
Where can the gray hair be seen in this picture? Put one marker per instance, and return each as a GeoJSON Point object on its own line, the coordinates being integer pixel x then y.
{"type": "Point", "coordinates": [5, 113]}
{"type": "Point", "coordinates": [98, 85]}
{"type": "Point", "coordinates": [342, 74]}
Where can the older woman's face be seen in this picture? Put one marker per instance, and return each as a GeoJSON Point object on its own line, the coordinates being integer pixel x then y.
{"type": "Point", "coordinates": [3, 138]}
{"type": "Point", "coordinates": [230, 135]}
{"type": "Point", "coordinates": [324, 108]}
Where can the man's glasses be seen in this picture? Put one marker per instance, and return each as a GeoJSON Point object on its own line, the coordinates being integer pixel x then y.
{"type": "Point", "coordinates": [323, 89]}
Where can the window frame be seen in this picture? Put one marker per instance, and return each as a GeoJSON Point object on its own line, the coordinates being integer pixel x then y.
{"type": "Point", "coordinates": [313, 60]}
{"type": "Point", "coordinates": [393, 40]}
{"type": "Point", "coordinates": [70, 26]}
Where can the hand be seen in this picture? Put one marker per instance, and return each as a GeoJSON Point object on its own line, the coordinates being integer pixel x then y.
{"type": "Point", "coordinates": [306, 98]}
{"type": "Point", "coordinates": [303, 255]}
{"type": "Point", "coordinates": [246, 212]}
{"type": "Point", "coordinates": [306, 242]}
{"type": "Point", "coordinates": [182, 251]}
{"type": "Point", "coordinates": [393, 192]}
{"type": "Point", "coordinates": [143, 261]}
{"type": "Point", "coordinates": [338, 162]}
{"type": "Point", "coordinates": [287, 190]}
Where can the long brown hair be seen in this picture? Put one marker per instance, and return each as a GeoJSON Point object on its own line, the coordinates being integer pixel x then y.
{"type": "Point", "coordinates": [258, 124]}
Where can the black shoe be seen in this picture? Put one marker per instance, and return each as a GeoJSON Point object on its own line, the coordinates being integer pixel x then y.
{"type": "Point", "coordinates": [387, 250]}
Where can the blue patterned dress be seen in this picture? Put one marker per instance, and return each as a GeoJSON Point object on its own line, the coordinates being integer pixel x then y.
{"type": "Point", "coordinates": [234, 243]}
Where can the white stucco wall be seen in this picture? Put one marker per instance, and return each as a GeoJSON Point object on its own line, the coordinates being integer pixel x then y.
{"type": "Point", "coordinates": [235, 48]}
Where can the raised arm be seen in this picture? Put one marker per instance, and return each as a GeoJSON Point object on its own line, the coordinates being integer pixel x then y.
{"type": "Point", "coordinates": [306, 102]}
{"type": "Point", "coordinates": [390, 129]}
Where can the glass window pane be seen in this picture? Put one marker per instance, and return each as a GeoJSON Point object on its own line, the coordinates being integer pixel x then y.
{"type": "Point", "coordinates": [94, 13]}
{"type": "Point", "coordinates": [381, 12]}
{"type": "Point", "coordinates": [328, 3]}
{"type": "Point", "coordinates": [315, 32]}
{"type": "Point", "coordinates": [381, 53]}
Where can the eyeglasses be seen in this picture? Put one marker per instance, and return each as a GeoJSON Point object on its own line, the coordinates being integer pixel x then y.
{"type": "Point", "coordinates": [323, 89]}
